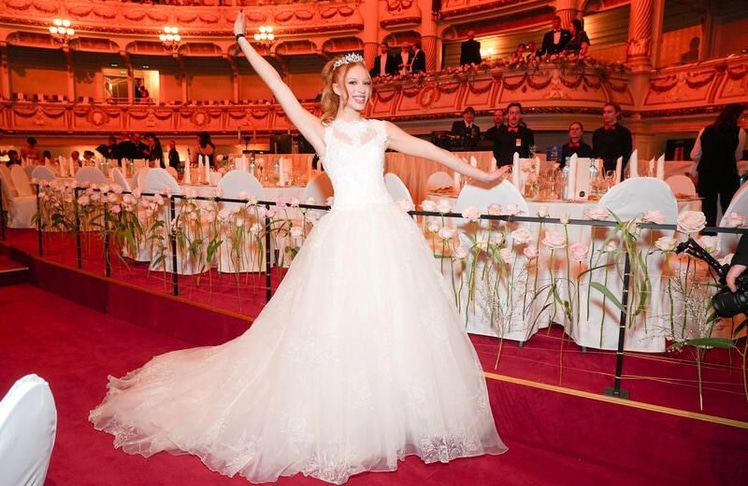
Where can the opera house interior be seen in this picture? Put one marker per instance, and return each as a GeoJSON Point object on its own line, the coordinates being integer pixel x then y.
{"type": "Point", "coordinates": [595, 292]}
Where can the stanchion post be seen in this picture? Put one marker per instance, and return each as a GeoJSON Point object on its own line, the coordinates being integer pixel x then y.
{"type": "Point", "coordinates": [2, 215]}
{"type": "Point", "coordinates": [268, 279]}
{"type": "Point", "coordinates": [38, 222]}
{"type": "Point", "coordinates": [616, 390]}
{"type": "Point", "coordinates": [78, 248]}
{"type": "Point", "coordinates": [107, 257]}
{"type": "Point", "coordinates": [173, 244]}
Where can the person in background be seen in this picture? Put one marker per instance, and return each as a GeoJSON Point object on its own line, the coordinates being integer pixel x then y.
{"type": "Point", "coordinates": [109, 150]}
{"type": "Point", "coordinates": [579, 42]}
{"type": "Point", "coordinates": [532, 50]}
{"type": "Point", "coordinates": [31, 153]}
{"type": "Point", "coordinates": [470, 50]}
{"type": "Point", "coordinates": [404, 59]}
{"type": "Point", "coordinates": [418, 64]}
{"type": "Point", "coordinates": [715, 154]}
{"type": "Point", "coordinates": [575, 145]}
{"type": "Point", "coordinates": [173, 155]}
{"type": "Point", "coordinates": [384, 63]}
{"type": "Point", "coordinates": [612, 140]}
{"type": "Point", "coordinates": [204, 147]}
{"type": "Point", "coordinates": [692, 54]}
{"type": "Point", "coordinates": [555, 40]}
{"type": "Point", "coordinates": [46, 157]}
{"type": "Point", "coordinates": [153, 152]}
{"type": "Point", "coordinates": [13, 158]}
{"type": "Point", "coordinates": [131, 147]}
{"type": "Point", "coordinates": [519, 53]}
{"type": "Point", "coordinates": [76, 158]}
{"type": "Point", "coordinates": [514, 137]}
{"type": "Point", "coordinates": [492, 134]}
{"type": "Point", "coordinates": [466, 129]}
{"type": "Point", "coordinates": [88, 158]}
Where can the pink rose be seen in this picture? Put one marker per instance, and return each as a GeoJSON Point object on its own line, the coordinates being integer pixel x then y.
{"type": "Point", "coordinates": [522, 235]}
{"type": "Point", "coordinates": [691, 222]}
{"type": "Point", "coordinates": [471, 214]}
{"type": "Point", "coordinates": [554, 240]}
{"type": "Point", "coordinates": [579, 251]}
{"type": "Point", "coordinates": [530, 252]}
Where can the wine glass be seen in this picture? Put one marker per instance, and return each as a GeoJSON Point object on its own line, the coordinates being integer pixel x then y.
{"type": "Point", "coordinates": [610, 178]}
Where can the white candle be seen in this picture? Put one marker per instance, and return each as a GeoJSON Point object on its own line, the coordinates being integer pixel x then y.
{"type": "Point", "coordinates": [206, 167]}
{"type": "Point", "coordinates": [661, 167]}
{"type": "Point", "coordinates": [516, 172]}
{"type": "Point", "coordinates": [187, 172]}
{"type": "Point", "coordinates": [571, 182]}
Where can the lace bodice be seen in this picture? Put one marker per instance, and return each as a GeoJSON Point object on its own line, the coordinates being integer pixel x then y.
{"type": "Point", "coordinates": [354, 161]}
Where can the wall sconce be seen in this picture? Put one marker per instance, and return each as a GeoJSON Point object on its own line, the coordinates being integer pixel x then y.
{"type": "Point", "coordinates": [265, 36]}
{"type": "Point", "coordinates": [170, 38]}
{"type": "Point", "coordinates": [61, 31]}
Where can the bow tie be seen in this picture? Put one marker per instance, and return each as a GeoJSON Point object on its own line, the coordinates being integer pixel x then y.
{"type": "Point", "coordinates": [513, 129]}
{"type": "Point", "coordinates": [574, 144]}
{"type": "Point", "coordinates": [610, 127]}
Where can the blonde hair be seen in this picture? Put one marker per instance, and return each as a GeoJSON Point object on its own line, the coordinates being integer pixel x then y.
{"type": "Point", "coordinates": [330, 102]}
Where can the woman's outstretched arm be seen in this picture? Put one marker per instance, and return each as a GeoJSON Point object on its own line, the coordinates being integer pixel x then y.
{"type": "Point", "coordinates": [401, 141]}
{"type": "Point", "coordinates": [308, 124]}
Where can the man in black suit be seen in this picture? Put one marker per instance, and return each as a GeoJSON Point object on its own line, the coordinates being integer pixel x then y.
{"type": "Point", "coordinates": [575, 145]}
{"type": "Point", "coordinates": [612, 140]}
{"type": "Point", "coordinates": [514, 137]}
{"type": "Point", "coordinates": [555, 40]}
{"type": "Point", "coordinates": [466, 129]}
{"type": "Point", "coordinates": [492, 134]}
{"type": "Point", "coordinates": [384, 63]}
{"type": "Point", "coordinates": [418, 63]}
{"type": "Point", "coordinates": [470, 50]}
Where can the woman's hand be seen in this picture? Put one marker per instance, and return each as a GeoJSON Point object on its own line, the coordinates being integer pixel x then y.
{"type": "Point", "coordinates": [239, 23]}
{"type": "Point", "coordinates": [498, 174]}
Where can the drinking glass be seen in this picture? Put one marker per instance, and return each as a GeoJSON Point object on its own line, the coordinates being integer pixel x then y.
{"type": "Point", "coordinates": [610, 178]}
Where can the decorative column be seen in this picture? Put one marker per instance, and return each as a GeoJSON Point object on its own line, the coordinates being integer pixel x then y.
{"type": "Point", "coordinates": [430, 41]}
{"type": "Point", "coordinates": [70, 73]}
{"type": "Point", "coordinates": [4, 72]}
{"type": "Point", "coordinates": [568, 10]}
{"type": "Point", "coordinates": [370, 14]}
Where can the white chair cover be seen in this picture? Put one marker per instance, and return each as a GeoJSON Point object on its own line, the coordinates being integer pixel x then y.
{"type": "Point", "coordinates": [159, 180]}
{"type": "Point", "coordinates": [21, 181]}
{"type": "Point", "coordinates": [28, 424]}
{"type": "Point", "coordinates": [43, 173]}
{"type": "Point", "coordinates": [28, 169]}
{"type": "Point", "coordinates": [171, 170]}
{"type": "Point", "coordinates": [597, 323]}
{"type": "Point", "coordinates": [140, 176]}
{"type": "Point", "coordinates": [319, 188]}
{"type": "Point", "coordinates": [681, 184]}
{"type": "Point", "coordinates": [739, 204]}
{"type": "Point", "coordinates": [492, 310]}
{"type": "Point", "coordinates": [120, 179]}
{"type": "Point", "coordinates": [396, 187]}
{"type": "Point", "coordinates": [439, 180]}
{"type": "Point", "coordinates": [241, 250]}
{"type": "Point", "coordinates": [90, 175]}
{"type": "Point", "coordinates": [21, 208]}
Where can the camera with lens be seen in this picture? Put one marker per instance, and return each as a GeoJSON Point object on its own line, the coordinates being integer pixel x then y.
{"type": "Point", "coordinates": [728, 303]}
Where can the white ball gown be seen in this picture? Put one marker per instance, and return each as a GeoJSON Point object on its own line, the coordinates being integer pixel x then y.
{"type": "Point", "coordinates": [358, 360]}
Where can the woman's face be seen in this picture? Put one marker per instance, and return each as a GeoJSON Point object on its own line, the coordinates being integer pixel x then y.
{"type": "Point", "coordinates": [355, 88]}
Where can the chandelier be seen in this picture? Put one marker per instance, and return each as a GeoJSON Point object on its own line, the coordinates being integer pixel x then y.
{"type": "Point", "coordinates": [61, 32]}
{"type": "Point", "coordinates": [265, 36]}
{"type": "Point", "coordinates": [170, 38]}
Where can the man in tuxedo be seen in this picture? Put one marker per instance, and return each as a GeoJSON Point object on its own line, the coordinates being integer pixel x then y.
{"type": "Point", "coordinates": [470, 50]}
{"type": "Point", "coordinates": [498, 123]}
{"type": "Point", "coordinates": [575, 145]}
{"type": "Point", "coordinates": [514, 137]}
{"type": "Point", "coordinates": [384, 63]}
{"type": "Point", "coordinates": [418, 61]}
{"type": "Point", "coordinates": [404, 58]}
{"type": "Point", "coordinates": [466, 129]}
{"type": "Point", "coordinates": [612, 140]}
{"type": "Point", "coordinates": [555, 40]}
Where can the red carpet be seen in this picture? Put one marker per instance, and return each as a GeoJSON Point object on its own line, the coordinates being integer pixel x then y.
{"type": "Point", "coordinates": [556, 437]}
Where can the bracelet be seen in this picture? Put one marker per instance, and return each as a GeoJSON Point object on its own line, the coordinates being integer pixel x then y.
{"type": "Point", "coordinates": [239, 35]}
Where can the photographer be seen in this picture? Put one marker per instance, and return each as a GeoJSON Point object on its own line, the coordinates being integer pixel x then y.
{"type": "Point", "coordinates": [738, 265]}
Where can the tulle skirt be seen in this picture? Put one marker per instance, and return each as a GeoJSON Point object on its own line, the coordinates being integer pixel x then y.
{"type": "Point", "coordinates": [358, 360]}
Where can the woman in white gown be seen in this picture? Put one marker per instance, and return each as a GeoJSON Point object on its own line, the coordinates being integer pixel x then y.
{"type": "Point", "coordinates": [358, 360]}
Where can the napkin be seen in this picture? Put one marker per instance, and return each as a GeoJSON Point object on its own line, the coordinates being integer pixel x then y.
{"type": "Point", "coordinates": [187, 172]}
{"type": "Point", "coordinates": [634, 164]}
{"type": "Point", "coordinates": [456, 179]}
{"type": "Point", "coordinates": [619, 169]}
{"type": "Point", "coordinates": [473, 162]}
{"type": "Point", "coordinates": [571, 181]}
{"type": "Point", "coordinates": [206, 169]}
{"type": "Point", "coordinates": [661, 167]}
{"type": "Point", "coordinates": [494, 164]}
{"type": "Point", "coordinates": [651, 170]}
{"type": "Point", "coordinates": [516, 169]}
{"type": "Point", "coordinates": [281, 172]}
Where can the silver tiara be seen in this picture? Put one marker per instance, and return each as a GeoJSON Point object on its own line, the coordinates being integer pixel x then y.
{"type": "Point", "coordinates": [347, 59]}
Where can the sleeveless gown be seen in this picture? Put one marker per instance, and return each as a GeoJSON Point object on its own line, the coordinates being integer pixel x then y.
{"type": "Point", "coordinates": [358, 360]}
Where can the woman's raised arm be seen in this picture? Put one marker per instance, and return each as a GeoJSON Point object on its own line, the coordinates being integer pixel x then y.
{"type": "Point", "coordinates": [309, 125]}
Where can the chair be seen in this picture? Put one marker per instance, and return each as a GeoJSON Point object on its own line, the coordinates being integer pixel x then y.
{"type": "Point", "coordinates": [18, 200]}
{"type": "Point", "coordinates": [43, 173]}
{"type": "Point", "coordinates": [598, 326]}
{"type": "Point", "coordinates": [120, 179]}
{"type": "Point", "coordinates": [28, 169]}
{"type": "Point", "coordinates": [28, 424]}
{"type": "Point", "coordinates": [439, 180]}
{"type": "Point", "coordinates": [396, 187]}
{"type": "Point", "coordinates": [681, 184]}
{"type": "Point", "coordinates": [140, 176]}
{"type": "Point", "coordinates": [738, 204]}
{"type": "Point", "coordinates": [241, 250]}
{"type": "Point", "coordinates": [318, 188]}
{"type": "Point", "coordinates": [489, 307]}
{"type": "Point", "coordinates": [173, 172]}
{"type": "Point", "coordinates": [90, 175]}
